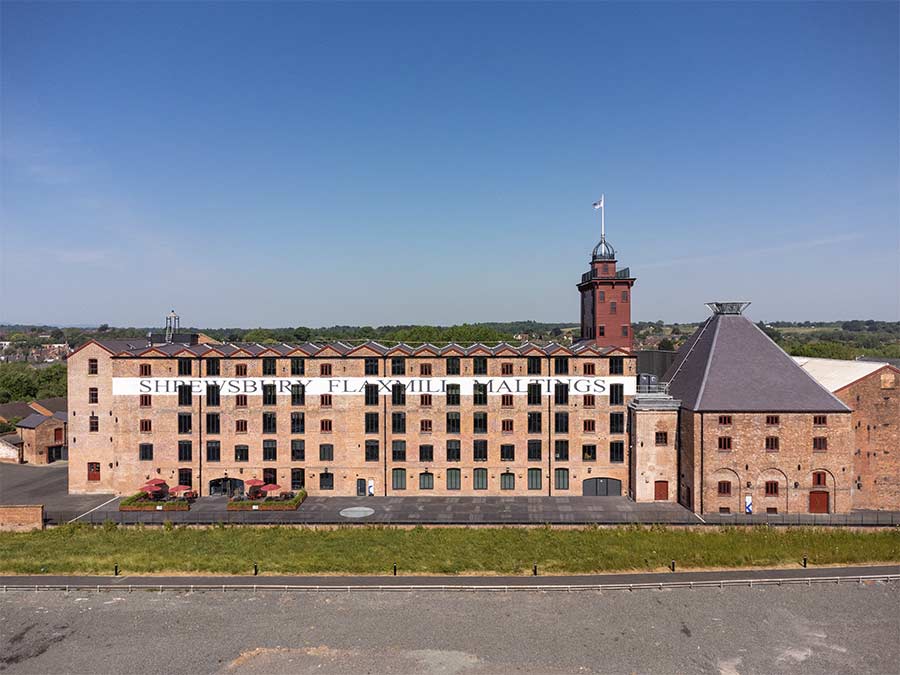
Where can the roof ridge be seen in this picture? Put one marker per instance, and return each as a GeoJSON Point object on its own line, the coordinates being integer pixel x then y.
{"type": "Point", "coordinates": [712, 353]}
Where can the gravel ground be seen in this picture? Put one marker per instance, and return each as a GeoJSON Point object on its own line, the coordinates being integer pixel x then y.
{"type": "Point", "coordinates": [848, 628]}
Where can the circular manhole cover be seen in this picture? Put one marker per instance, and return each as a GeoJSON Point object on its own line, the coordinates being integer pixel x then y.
{"type": "Point", "coordinates": [357, 512]}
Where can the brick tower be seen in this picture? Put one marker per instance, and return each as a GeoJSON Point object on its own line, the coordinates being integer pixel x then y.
{"type": "Point", "coordinates": [606, 296]}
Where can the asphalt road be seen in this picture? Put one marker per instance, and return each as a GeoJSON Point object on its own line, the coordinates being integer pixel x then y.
{"type": "Point", "coordinates": [847, 628]}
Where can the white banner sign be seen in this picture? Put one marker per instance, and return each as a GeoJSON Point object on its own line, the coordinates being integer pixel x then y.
{"type": "Point", "coordinates": [350, 386]}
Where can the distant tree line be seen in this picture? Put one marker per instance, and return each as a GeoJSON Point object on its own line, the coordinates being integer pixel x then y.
{"type": "Point", "coordinates": [23, 382]}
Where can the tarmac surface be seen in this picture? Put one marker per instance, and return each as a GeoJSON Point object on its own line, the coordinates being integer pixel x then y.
{"type": "Point", "coordinates": [842, 628]}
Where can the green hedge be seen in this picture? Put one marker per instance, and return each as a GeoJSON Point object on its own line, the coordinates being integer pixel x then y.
{"type": "Point", "coordinates": [139, 502]}
{"type": "Point", "coordinates": [275, 505]}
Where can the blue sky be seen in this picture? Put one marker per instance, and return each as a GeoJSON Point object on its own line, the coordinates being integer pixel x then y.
{"type": "Point", "coordinates": [311, 164]}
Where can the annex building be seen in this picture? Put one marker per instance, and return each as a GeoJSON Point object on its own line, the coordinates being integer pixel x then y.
{"type": "Point", "coordinates": [735, 426]}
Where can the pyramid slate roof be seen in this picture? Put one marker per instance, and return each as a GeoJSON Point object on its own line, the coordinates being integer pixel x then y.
{"type": "Point", "coordinates": [730, 365]}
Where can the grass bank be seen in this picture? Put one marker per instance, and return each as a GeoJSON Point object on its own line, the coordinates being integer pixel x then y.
{"type": "Point", "coordinates": [80, 549]}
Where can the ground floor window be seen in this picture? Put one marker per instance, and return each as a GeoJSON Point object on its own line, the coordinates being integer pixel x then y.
{"type": "Point", "coordinates": [534, 479]}
{"type": "Point", "coordinates": [453, 479]}
{"type": "Point", "coordinates": [298, 479]}
{"type": "Point", "coordinates": [326, 481]}
{"type": "Point", "coordinates": [398, 479]}
{"type": "Point", "coordinates": [426, 481]}
{"type": "Point", "coordinates": [561, 479]}
{"type": "Point", "coordinates": [185, 477]}
{"type": "Point", "coordinates": [480, 479]}
{"type": "Point", "coordinates": [270, 476]}
{"type": "Point", "coordinates": [507, 481]}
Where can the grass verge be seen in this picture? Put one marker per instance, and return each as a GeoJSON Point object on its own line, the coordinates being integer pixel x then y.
{"type": "Point", "coordinates": [81, 549]}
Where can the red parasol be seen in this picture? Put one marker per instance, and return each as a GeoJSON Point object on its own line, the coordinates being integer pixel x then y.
{"type": "Point", "coordinates": [253, 482]}
{"type": "Point", "coordinates": [271, 487]}
{"type": "Point", "coordinates": [151, 488]}
{"type": "Point", "coordinates": [156, 481]}
{"type": "Point", "coordinates": [180, 488]}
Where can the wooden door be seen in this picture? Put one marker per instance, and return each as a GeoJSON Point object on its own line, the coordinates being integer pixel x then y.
{"type": "Point", "coordinates": [93, 471]}
{"type": "Point", "coordinates": [661, 490]}
{"type": "Point", "coordinates": [818, 502]}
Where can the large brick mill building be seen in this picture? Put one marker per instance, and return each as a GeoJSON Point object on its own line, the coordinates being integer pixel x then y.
{"type": "Point", "coordinates": [735, 426]}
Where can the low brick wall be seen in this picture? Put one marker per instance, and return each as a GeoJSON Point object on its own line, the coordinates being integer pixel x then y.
{"type": "Point", "coordinates": [21, 518]}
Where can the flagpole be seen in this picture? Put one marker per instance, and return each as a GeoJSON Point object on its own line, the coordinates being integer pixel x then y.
{"type": "Point", "coordinates": [602, 217]}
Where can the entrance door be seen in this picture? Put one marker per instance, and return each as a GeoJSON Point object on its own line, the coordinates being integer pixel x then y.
{"type": "Point", "coordinates": [661, 490]}
{"type": "Point", "coordinates": [226, 486]}
{"type": "Point", "coordinates": [360, 487]}
{"type": "Point", "coordinates": [601, 487]}
{"type": "Point", "coordinates": [818, 502]}
{"type": "Point", "coordinates": [55, 453]}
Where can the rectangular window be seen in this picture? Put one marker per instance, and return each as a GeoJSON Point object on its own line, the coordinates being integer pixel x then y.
{"type": "Point", "coordinates": [561, 393]}
{"type": "Point", "coordinates": [624, 331]}
{"type": "Point", "coordinates": [662, 437]}
{"type": "Point", "coordinates": [534, 365]}
{"type": "Point", "coordinates": [534, 479]}
{"type": "Point", "coordinates": [325, 370]}
{"type": "Point", "coordinates": [371, 421]}
{"type": "Point", "coordinates": [241, 453]}
{"type": "Point", "coordinates": [371, 394]}
{"type": "Point", "coordinates": [617, 394]}
{"type": "Point", "coordinates": [479, 479]}
{"type": "Point", "coordinates": [589, 453]}
{"type": "Point", "coordinates": [298, 450]}
{"type": "Point", "coordinates": [724, 487]}
{"type": "Point", "coordinates": [480, 451]}
{"type": "Point", "coordinates": [479, 365]}
{"type": "Point", "coordinates": [616, 452]}
{"type": "Point", "coordinates": [772, 443]}
{"type": "Point", "coordinates": [561, 365]}
{"type": "Point", "coordinates": [453, 451]}
{"type": "Point", "coordinates": [185, 367]}
{"type": "Point", "coordinates": [771, 488]}
{"type": "Point", "coordinates": [185, 451]}
{"type": "Point", "coordinates": [589, 369]}
{"type": "Point", "coordinates": [820, 420]}
{"type": "Point", "coordinates": [326, 480]}
{"type": "Point", "coordinates": [534, 394]}
{"type": "Point", "coordinates": [820, 444]}
{"type": "Point", "coordinates": [617, 423]}
{"type": "Point", "coordinates": [325, 401]}
{"type": "Point", "coordinates": [561, 422]}
{"type": "Point", "coordinates": [146, 401]}
{"type": "Point", "coordinates": [561, 451]}
{"type": "Point", "coordinates": [426, 453]}
{"type": "Point", "coordinates": [425, 426]}
{"type": "Point", "coordinates": [398, 394]}
{"type": "Point", "coordinates": [561, 479]}
{"type": "Point", "coordinates": [453, 365]}
{"type": "Point", "coordinates": [616, 365]}
{"type": "Point", "coordinates": [145, 452]}
{"type": "Point", "coordinates": [724, 420]}
{"type": "Point", "coordinates": [326, 452]}
{"type": "Point", "coordinates": [724, 442]}
{"type": "Point", "coordinates": [612, 307]}
{"type": "Point", "coordinates": [94, 423]}
{"type": "Point", "coordinates": [325, 426]}
{"type": "Point", "coordinates": [589, 401]}
{"type": "Point", "coordinates": [398, 365]}
{"type": "Point", "coordinates": [298, 394]}
{"type": "Point", "coordinates": [480, 394]}
{"type": "Point", "coordinates": [240, 426]}
{"type": "Point", "coordinates": [185, 425]}
{"type": "Point", "coordinates": [534, 423]}
{"type": "Point", "coordinates": [213, 397]}
{"type": "Point", "coordinates": [146, 426]}
{"type": "Point", "coordinates": [298, 479]}
{"type": "Point", "coordinates": [240, 370]}
{"type": "Point", "coordinates": [268, 394]}
{"type": "Point", "coordinates": [185, 396]}
{"type": "Point", "coordinates": [93, 395]}
{"type": "Point", "coordinates": [452, 422]}
{"type": "Point", "coordinates": [772, 420]}
{"type": "Point", "coordinates": [507, 453]}
{"type": "Point", "coordinates": [371, 366]}
{"type": "Point", "coordinates": [506, 401]}
{"type": "Point", "coordinates": [240, 401]}
{"type": "Point", "coordinates": [590, 426]}
{"type": "Point", "coordinates": [507, 481]}
{"type": "Point", "coordinates": [145, 370]}
{"type": "Point", "coordinates": [426, 481]}
{"type": "Point", "coordinates": [453, 479]}
{"type": "Point", "coordinates": [506, 369]}
{"type": "Point", "coordinates": [298, 423]}
{"type": "Point", "coordinates": [424, 369]}
{"type": "Point", "coordinates": [819, 478]}
{"type": "Point", "coordinates": [298, 365]}
{"type": "Point", "coordinates": [480, 423]}
{"type": "Point", "coordinates": [213, 451]}
{"type": "Point", "coordinates": [398, 423]}
{"type": "Point", "coordinates": [425, 400]}
{"type": "Point", "coordinates": [269, 366]}
{"type": "Point", "coordinates": [270, 450]}
{"type": "Point", "coordinates": [372, 450]}
{"type": "Point", "coordinates": [506, 426]}
{"type": "Point", "coordinates": [398, 451]}
{"type": "Point", "coordinates": [213, 367]}
{"type": "Point", "coordinates": [452, 394]}
{"type": "Point", "coordinates": [534, 450]}
{"type": "Point", "coordinates": [601, 330]}
{"type": "Point", "coordinates": [212, 423]}
{"type": "Point", "coordinates": [269, 423]}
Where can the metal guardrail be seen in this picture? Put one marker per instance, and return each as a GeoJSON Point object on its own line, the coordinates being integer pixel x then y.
{"type": "Point", "coordinates": [504, 588]}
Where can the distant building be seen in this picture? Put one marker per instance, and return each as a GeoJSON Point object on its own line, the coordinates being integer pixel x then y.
{"type": "Point", "coordinates": [43, 438]}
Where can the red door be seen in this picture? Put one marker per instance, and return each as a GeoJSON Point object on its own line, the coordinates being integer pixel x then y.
{"type": "Point", "coordinates": [93, 470]}
{"type": "Point", "coordinates": [661, 490]}
{"type": "Point", "coordinates": [818, 501]}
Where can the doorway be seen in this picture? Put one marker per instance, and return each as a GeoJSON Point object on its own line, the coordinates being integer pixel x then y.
{"type": "Point", "coordinates": [230, 487]}
{"type": "Point", "coordinates": [601, 487]}
{"type": "Point", "coordinates": [818, 502]}
{"type": "Point", "coordinates": [661, 491]}
{"type": "Point", "coordinates": [360, 487]}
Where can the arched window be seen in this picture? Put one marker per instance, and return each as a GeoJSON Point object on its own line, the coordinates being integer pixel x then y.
{"type": "Point", "coordinates": [426, 481]}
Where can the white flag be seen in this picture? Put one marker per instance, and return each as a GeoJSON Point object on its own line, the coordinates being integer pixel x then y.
{"type": "Point", "coordinates": [599, 204]}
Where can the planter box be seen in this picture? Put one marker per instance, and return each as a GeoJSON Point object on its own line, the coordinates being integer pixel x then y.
{"type": "Point", "coordinates": [151, 506]}
{"type": "Point", "coordinates": [290, 505]}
